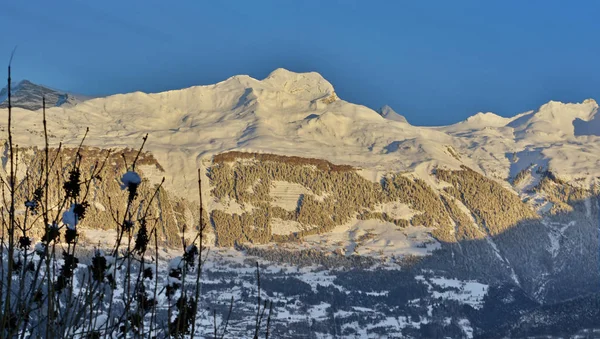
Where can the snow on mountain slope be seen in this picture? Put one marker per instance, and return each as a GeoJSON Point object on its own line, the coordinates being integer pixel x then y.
{"type": "Point", "coordinates": [477, 122]}
{"type": "Point", "coordinates": [285, 113]}
{"type": "Point", "coordinates": [558, 136]}
{"type": "Point", "coordinates": [589, 125]}
{"type": "Point", "coordinates": [553, 120]}
{"type": "Point", "coordinates": [300, 114]}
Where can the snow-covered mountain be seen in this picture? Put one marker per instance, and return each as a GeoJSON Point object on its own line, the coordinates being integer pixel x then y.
{"type": "Point", "coordinates": [500, 200]}
{"type": "Point", "coordinates": [28, 95]}
{"type": "Point", "coordinates": [299, 114]}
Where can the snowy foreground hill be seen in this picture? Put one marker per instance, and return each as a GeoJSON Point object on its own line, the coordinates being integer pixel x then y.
{"type": "Point", "coordinates": [365, 225]}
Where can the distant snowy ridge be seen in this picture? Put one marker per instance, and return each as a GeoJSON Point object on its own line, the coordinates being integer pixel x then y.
{"type": "Point", "coordinates": [300, 114]}
{"type": "Point", "coordinates": [28, 95]}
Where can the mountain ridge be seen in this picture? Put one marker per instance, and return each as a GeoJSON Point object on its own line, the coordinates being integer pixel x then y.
{"type": "Point", "coordinates": [284, 78]}
{"type": "Point", "coordinates": [300, 114]}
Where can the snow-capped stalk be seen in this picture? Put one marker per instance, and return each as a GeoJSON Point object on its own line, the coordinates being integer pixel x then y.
{"type": "Point", "coordinates": [67, 314]}
{"type": "Point", "coordinates": [132, 188]}
{"type": "Point", "coordinates": [129, 257]}
{"type": "Point", "coordinates": [269, 320]}
{"type": "Point", "coordinates": [141, 248]}
{"type": "Point", "coordinates": [258, 318]}
{"type": "Point", "coordinates": [77, 306]}
{"type": "Point", "coordinates": [2, 262]}
{"type": "Point", "coordinates": [224, 331]}
{"type": "Point", "coordinates": [140, 309]}
{"type": "Point", "coordinates": [214, 324]}
{"type": "Point", "coordinates": [73, 194]}
{"type": "Point", "coordinates": [260, 312]}
{"type": "Point", "coordinates": [25, 300]}
{"type": "Point", "coordinates": [200, 249]}
{"type": "Point", "coordinates": [11, 215]}
{"type": "Point", "coordinates": [131, 182]}
{"type": "Point", "coordinates": [181, 310]}
{"type": "Point", "coordinates": [127, 282]}
{"type": "Point", "coordinates": [44, 211]}
{"type": "Point", "coordinates": [22, 275]}
{"type": "Point", "coordinates": [153, 315]}
{"type": "Point", "coordinates": [90, 304]}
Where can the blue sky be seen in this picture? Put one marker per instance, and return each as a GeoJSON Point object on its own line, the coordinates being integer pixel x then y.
{"type": "Point", "coordinates": [436, 62]}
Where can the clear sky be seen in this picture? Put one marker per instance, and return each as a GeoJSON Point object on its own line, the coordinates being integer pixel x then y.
{"type": "Point", "coordinates": [436, 62]}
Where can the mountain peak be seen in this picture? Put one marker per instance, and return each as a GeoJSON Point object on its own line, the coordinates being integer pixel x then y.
{"type": "Point", "coordinates": [568, 111]}
{"type": "Point", "coordinates": [553, 104]}
{"type": "Point", "coordinates": [556, 120]}
{"type": "Point", "coordinates": [388, 113]}
{"type": "Point", "coordinates": [28, 95]}
{"type": "Point", "coordinates": [281, 72]}
{"type": "Point", "coordinates": [488, 119]}
{"type": "Point", "coordinates": [25, 83]}
{"type": "Point", "coordinates": [590, 101]}
{"type": "Point", "coordinates": [308, 85]}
